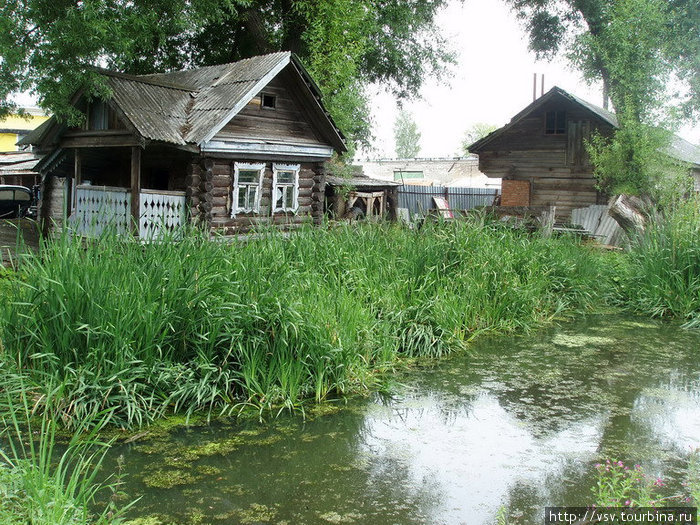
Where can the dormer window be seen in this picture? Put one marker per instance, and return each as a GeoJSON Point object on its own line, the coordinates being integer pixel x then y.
{"type": "Point", "coordinates": [555, 123]}
{"type": "Point", "coordinates": [268, 101]}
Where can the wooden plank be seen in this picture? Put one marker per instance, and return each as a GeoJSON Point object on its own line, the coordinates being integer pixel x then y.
{"type": "Point", "coordinates": [100, 141]}
{"type": "Point", "coordinates": [135, 188]}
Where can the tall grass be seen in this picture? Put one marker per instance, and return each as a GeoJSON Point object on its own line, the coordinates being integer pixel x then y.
{"type": "Point", "coordinates": [194, 324]}
{"type": "Point", "coordinates": [663, 270]}
{"type": "Point", "coordinates": [40, 484]}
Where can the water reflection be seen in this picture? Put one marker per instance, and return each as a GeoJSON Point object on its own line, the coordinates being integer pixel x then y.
{"type": "Point", "coordinates": [518, 422]}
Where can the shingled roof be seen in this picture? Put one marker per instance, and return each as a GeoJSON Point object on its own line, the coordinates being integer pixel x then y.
{"type": "Point", "coordinates": [191, 106]}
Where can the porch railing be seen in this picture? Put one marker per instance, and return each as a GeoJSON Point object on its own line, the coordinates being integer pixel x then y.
{"type": "Point", "coordinates": [98, 208]}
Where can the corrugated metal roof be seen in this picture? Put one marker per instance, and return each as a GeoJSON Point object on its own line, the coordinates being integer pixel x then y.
{"type": "Point", "coordinates": [184, 106]}
{"type": "Point", "coordinates": [360, 181]}
{"type": "Point", "coordinates": [157, 112]}
{"type": "Point", "coordinates": [684, 151]}
{"type": "Point", "coordinates": [190, 106]}
{"type": "Point", "coordinates": [15, 157]}
{"type": "Point", "coordinates": [18, 163]}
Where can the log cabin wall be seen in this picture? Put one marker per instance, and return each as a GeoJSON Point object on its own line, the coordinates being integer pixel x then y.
{"type": "Point", "coordinates": [51, 207]}
{"type": "Point", "coordinates": [556, 165]}
{"type": "Point", "coordinates": [216, 194]}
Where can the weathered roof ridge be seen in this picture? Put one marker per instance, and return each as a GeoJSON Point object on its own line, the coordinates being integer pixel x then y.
{"type": "Point", "coordinates": [190, 106]}
{"type": "Point", "coordinates": [603, 114]}
{"type": "Point", "coordinates": [144, 80]}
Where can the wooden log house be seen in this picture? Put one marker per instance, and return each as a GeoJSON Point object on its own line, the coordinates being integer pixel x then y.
{"type": "Point", "coordinates": [541, 156]}
{"type": "Point", "coordinates": [229, 147]}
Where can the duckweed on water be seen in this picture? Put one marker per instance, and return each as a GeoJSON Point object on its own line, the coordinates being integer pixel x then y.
{"type": "Point", "coordinates": [255, 513]}
{"type": "Point", "coordinates": [167, 478]}
{"type": "Point", "coordinates": [334, 517]}
{"type": "Point", "coordinates": [581, 340]}
{"type": "Point", "coordinates": [149, 520]}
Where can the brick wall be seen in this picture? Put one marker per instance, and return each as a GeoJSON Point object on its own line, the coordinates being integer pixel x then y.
{"type": "Point", "coordinates": [515, 193]}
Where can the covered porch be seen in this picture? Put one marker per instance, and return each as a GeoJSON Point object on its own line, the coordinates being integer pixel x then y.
{"type": "Point", "coordinates": [105, 208]}
{"type": "Point", "coordinates": [135, 190]}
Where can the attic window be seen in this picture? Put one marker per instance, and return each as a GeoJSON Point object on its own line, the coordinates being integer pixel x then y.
{"type": "Point", "coordinates": [555, 123]}
{"type": "Point", "coordinates": [98, 115]}
{"type": "Point", "coordinates": [268, 101]}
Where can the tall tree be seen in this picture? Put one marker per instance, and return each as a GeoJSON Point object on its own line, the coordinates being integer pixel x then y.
{"type": "Point", "coordinates": [647, 53]}
{"type": "Point", "coordinates": [476, 131]}
{"type": "Point", "coordinates": [406, 135]}
{"type": "Point", "coordinates": [558, 26]}
{"type": "Point", "coordinates": [48, 47]}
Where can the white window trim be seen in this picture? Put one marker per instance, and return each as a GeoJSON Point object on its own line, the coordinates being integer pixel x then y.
{"type": "Point", "coordinates": [296, 168]}
{"type": "Point", "coordinates": [237, 166]}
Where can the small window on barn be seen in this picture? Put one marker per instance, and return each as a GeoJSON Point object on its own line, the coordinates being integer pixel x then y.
{"type": "Point", "coordinates": [285, 187]}
{"type": "Point", "coordinates": [555, 123]}
{"type": "Point", "coordinates": [247, 187]}
{"type": "Point", "coordinates": [268, 101]}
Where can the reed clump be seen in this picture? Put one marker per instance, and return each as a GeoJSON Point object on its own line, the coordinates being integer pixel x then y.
{"type": "Point", "coordinates": [46, 484]}
{"type": "Point", "coordinates": [662, 270]}
{"type": "Point", "coordinates": [198, 325]}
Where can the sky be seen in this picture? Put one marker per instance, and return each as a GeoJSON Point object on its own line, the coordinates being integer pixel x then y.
{"type": "Point", "coordinates": [491, 82]}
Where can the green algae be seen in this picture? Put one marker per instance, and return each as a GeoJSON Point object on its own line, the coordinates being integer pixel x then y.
{"type": "Point", "coordinates": [166, 478]}
{"type": "Point", "coordinates": [335, 517]}
{"type": "Point", "coordinates": [561, 386]}
{"type": "Point", "coordinates": [581, 340]}
{"type": "Point", "coordinates": [149, 520]}
{"type": "Point", "coordinates": [208, 470]}
{"type": "Point", "coordinates": [255, 513]}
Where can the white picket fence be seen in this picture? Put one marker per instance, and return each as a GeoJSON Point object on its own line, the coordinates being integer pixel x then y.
{"type": "Point", "coordinates": [98, 208]}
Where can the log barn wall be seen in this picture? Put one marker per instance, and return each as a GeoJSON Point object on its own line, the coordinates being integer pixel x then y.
{"type": "Point", "coordinates": [556, 166]}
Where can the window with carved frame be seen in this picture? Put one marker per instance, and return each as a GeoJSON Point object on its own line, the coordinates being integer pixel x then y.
{"type": "Point", "coordinates": [247, 187]}
{"type": "Point", "coordinates": [285, 187]}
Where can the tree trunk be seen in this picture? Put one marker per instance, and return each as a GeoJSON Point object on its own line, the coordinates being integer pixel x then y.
{"type": "Point", "coordinates": [631, 213]}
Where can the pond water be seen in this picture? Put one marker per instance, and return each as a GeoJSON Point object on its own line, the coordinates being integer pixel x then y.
{"type": "Point", "coordinates": [518, 421]}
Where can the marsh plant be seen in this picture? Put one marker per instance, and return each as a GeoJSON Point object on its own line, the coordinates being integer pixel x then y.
{"type": "Point", "coordinates": [618, 485]}
{"type": "Point", "coordinates": [663, 272]}
{"type": "Point", "coordinates": [199, 325]}
{"type": "Point", "coordinates": [44, 483]}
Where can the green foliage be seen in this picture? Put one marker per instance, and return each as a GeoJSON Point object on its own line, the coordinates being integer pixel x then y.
{"type": "Point", "coordinates": [406, 135]}
{"type": "Point", "coordinates": [601, 36]}
{"type": "Point", "coordinates": [662, 277]}
{"type": "Point", "coordinates": [502, 516]}
{"type": "Point", "coordinates": [476, 131]}
{"type": "Point", "coordinates": [634, 46]}
{"type": "Point", "coordinates": [49, 48]}
{"type": "Point", "coordinates": [634, 161]}
{"type": "Point", "coordinates": [621, 486]}
{"type": "Point", "coordinates": [198, 325]}
{"type": "Point", "coordinates": [44, 486]}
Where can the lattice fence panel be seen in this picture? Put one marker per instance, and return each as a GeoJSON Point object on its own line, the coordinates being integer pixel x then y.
{"type": "Point", "coordinates": [161, 214]}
